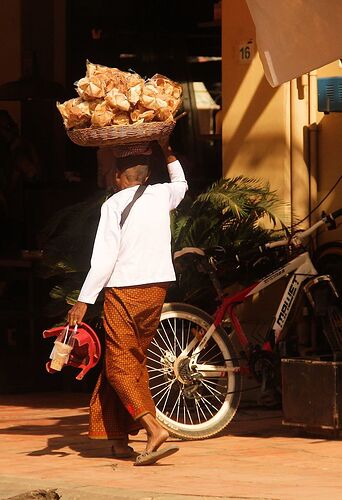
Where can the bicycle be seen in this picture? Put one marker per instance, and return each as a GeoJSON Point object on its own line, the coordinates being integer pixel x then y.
{"type": "Point", "coordinates": [194, 369]}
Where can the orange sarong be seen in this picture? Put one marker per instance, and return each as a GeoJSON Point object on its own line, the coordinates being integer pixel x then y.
{"type": "Point", "coordinates": [122, 393]}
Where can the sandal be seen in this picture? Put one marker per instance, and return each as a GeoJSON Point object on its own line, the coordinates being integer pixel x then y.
{"type": "Point", "coordinates": [149, 458]}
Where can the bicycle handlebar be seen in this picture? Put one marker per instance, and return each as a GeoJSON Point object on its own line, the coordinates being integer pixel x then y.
{"type": "Point", "coordinates": [336, 214]}
{"type": "Point", "coordinates": [296, 239]}
{"type": "Point", "coordinates": [299, 236]}
{"type": "Point", "coordinates": [302, 235]}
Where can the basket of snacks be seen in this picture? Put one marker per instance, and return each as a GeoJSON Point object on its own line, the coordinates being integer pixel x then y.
{"type": "Point", "coordinates": [115, 107]}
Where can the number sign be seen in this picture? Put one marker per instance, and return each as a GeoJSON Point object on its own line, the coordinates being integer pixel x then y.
{"type": "Point", "coordinates": [246, 52]}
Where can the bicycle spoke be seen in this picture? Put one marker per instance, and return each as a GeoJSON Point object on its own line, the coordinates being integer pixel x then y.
{"type": "Point", "coordinates": [151, 358]}
{"type": "Point", "coordinates": [154, 369]}
{"type": "Point", "coordinates": [174, 331]}
{"type": "Point", "coordinates": [205, 401]}
{"type": "Point", "coordinates": [174, 406]}
{"type": "Point", "coordinates": [156, 376]}
{"type": "Point", "coordinates": [217, 356]}
{"type": "Point", "coordinates": [208, 383]}
{"type": "Point", "coordinates": [205, 404]}
{"type": "Point", "coordinates": [178, 407]}
{"type": "Point", "coordinates": [212, 391]}
{"type": "Point", "coordinates": [166, 392]}
{"type": "Point", "coordinates": [154, 343]}
{"type": "Point", "coordinates": [198, 415]}
{"type": "Point", "coordinates": [167, 395]}
{"type": "Point", "coordinates": [182, 334]}
{"type": "Point", "coordinates": [224, 392]}
{"type": "Point", "coordinates": [207, 351]}
{"type": "Point", "coordinates": [165, 338]}
{"type": "Point", "coordinates": [187, 409]}
{"type": "Point", "coordinates": [188, 335]}
{"type": "Point", "coordinates": [160, 385]}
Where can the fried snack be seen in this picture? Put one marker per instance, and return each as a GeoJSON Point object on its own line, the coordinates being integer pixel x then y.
{"type": "Point", "coordinates": [108, 96]}
{"type": "Point", "coordinates": [102, 115]}
{"type": "Point", "coordinates": [134, 93]}
{"type": "Point", "coordinates": [117, 100]}
{"type": "Point", "coordinates": [167, 86]}
{"type": "Point", "coordinates": [141, 115]}
{"type": "Point", "coordinates": [110, 78]}
{"type": "Point", "coordinates": [162, 95]}
{"type": "Point", "coordinates": [170, 90]}
{"type": "Point", "coordinates": [91, 68]}
{"type": "Point", "coordinates": [164, 114]}
{"type": "Point", "coordinates": [120, 118]}
{"type": "Point", "coordinates": [150, 89]}
{"type": "Point", "coordinates": [151, 98]}
{"type": "Point", "coordinates": [75, 113]}
{"type": "Point", "coordinates": [134, 79]}
{"type": "Point", "coordinates": [91, 88]}
{"type": "Point", "coordinates": [114, 79]}
{"type": "Point", "coordinates": [173, 104]}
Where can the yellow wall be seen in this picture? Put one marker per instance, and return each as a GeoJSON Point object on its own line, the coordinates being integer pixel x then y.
{"type": "Point", "coordinates": [254, 127]}
{"type": "Point", "coordinates": [276, 134]}
{"type": "Point", "coordinates": [272, 132]}
{"type": "Point", "coordinates": [330, 156]}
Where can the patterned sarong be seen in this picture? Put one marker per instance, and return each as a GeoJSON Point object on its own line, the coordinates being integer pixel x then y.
{"type": "Point", "coordinates": [122, 394]}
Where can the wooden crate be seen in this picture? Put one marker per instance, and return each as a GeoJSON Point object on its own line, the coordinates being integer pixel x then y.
{"type": "Point", "coordinates": [312, 394]}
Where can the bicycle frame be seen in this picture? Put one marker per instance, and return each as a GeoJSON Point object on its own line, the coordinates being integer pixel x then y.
{"type": "Point", "coordinates": [301, 267]}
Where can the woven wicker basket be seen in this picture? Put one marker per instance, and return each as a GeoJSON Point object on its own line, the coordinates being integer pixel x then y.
{"type": "Point", "coordinates": [120, 134]}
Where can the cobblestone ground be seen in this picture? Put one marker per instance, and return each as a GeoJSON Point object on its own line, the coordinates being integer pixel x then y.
{"type": "Point", "coordinates": [44, 445]}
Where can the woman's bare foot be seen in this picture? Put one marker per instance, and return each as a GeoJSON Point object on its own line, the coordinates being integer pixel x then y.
{"type": "Point", "coordinates": [156, 434]}
{"type": "Point", "coordinates": [120, 447]}
{"type": "Point", "coordinates": [155, 440]}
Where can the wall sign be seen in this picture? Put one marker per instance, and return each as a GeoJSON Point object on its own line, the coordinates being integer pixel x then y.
{"type": "Point", "coordinates": [246, 52]}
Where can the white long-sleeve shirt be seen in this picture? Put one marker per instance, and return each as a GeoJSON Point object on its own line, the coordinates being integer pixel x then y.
{"type": "Point", "coordinates": [139, 252]}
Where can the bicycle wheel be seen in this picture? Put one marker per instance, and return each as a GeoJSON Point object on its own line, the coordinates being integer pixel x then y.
{"type": "Point", "coordinates": [192, 402]}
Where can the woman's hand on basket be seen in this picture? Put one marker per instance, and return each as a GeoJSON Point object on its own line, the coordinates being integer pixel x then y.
{"type": "Point", "coordinates": [164, 143]}
{"type": "Point", "coordinates": [77, 312]}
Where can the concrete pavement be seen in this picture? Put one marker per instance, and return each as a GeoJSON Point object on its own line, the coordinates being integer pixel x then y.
{"type": "Point", "coordinates": [44, 445]}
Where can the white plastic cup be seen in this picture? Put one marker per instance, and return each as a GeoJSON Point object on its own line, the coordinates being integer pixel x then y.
{"type": "Point", "coordinates": [60, 355]}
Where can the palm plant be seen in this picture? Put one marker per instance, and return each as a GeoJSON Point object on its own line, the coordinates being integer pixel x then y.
{"type": "Point", "coordinates": [230, 214]}
{"type": "Point", "coordinates": [67, 245]}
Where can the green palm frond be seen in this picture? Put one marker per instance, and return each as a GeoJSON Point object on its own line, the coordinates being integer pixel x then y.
{"type": "Point", "coordinates": [240, 196]}
{"type": "Point", "coordinates": [71, 297]}
{"type": "Point", "coordinates": [179, 223]}
{"type": "Point", "coordinates": [200, 231]}
{"type": "Point", "coordinates": [220, 201]}
{"type": "Point", "coordinates": [57, 292]}
{"type": "Point", "coordinates": [238, 200]}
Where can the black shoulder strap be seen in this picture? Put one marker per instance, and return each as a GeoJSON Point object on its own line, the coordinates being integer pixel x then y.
{"type": "Point", "coordinates": [127, 209]}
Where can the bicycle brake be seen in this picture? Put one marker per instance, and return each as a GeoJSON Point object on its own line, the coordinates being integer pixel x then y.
{"type": "Point", "coordinates": [329, 221]}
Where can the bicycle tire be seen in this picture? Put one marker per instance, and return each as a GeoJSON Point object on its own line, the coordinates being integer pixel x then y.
{"type": "Point", "coordinates": [205, 406]}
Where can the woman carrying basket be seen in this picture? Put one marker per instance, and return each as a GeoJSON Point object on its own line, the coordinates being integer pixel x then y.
{"type": "Point", "coordinates": [133, 262]}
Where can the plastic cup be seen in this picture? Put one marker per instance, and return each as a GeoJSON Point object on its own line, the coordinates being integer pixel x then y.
{"type": "Point", "coordinates": [60, 355]}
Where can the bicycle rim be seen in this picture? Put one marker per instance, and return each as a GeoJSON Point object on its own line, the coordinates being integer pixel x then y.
{"type": "Point", "coordinates": [203, 406]}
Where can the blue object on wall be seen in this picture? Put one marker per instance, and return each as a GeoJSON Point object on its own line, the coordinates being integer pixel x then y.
{"type": "Point", "coordinates": [330, 94]}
